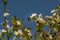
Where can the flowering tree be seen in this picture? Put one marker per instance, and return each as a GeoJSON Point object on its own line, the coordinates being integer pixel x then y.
{"type": "Point", "coordinates": [17, 28]}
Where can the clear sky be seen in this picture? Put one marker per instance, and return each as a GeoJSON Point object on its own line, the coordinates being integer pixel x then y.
{"type": "Point", "coordinates": [24, 8]}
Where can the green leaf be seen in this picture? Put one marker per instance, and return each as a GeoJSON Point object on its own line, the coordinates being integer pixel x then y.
{"type": "Point", "coordinates": [58, 6]}
{"type": "Point", "coordinates": [25, 38]}
{"type": "Point", "coordinates": [9, 34]}
{"type": "Point", "coordinates": [14, 17]}
{"type": "Point", "coordinates": [38, 28]}
{"type": "Point", "coordinates": [41, 38]}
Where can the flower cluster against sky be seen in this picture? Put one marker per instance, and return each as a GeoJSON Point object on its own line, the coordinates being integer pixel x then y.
{"type": "Point", "coordinates": [24, 8]}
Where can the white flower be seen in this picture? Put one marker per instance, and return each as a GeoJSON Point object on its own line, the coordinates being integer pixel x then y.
{"type": "Point", "coordinates": [3, 31]}
{"type": "Point", "coordinates": [27, 30]}
{"type": "Point", "coordinates": [41, 34]}
{"type": "Point", "coordinates": [16, 33]}
{"type": "Point", "coordinates": [33, 15]}
{"type": "Point", "coordinates": [30, 34]}
{"type": "Point", "coordinates": [54, 14]}
{"type": "Point", "coordinates": [7, 21]}
{"type": "Point", "coordinates": [14, 38]}
{"type": "Point", "coordinates": [54, 11]}
{"type": "Point", "coordinates": [40, 20]}
{"type": "Point", "coordinates": [53, 22]}
{"type": "Point", "coordinates": [51, 17]}
{"type": "Point", "coordinates": [8, 26]}
{"type": "Point", "coordinates": [5, 14]}
{"type": "Point", "coordinates": [20, 32]}
{"type": "Point", "coordinates": [40, 16]}
{"type": "Point", "coordinates": [47, 16]}
{"type": "Point", "coordinates": [18, 22]}
{"type": "Point", "coordinates": [50, 36]}
{"type": "Point", "coordinates": [54, 29]}
{"type": "Point", "coordinates": [11, 29]}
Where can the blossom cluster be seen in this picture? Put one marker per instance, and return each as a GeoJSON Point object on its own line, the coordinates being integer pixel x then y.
{"type": "Point", "coordinates": [17, 28]}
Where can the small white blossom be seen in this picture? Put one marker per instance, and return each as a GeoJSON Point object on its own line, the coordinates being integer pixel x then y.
{"type": "Point", "coordinates": [50, 36]}
{"type": "Point", "coordinates": [18, 22]}
{"type": "Point", "coordinates": [40, 16]}
{"type": "Point", "coordinates": [30, 34]}
{"type": "Point", "coordinates": [27, 30]}
{"type": "Point", "coordinates": [54, 14]}
{"type": "Point", "coordinates": [3, 30]}
{"type": "Point", "coordinates": [37, 24]}
{"type": "Point", "coordinates": [40, 20]}
{"type": "Point", "coordinates": [47, 16]}
{"type": "Point", "coordinates": [8, 26]}
{"type": "Point", "coordinates": [33, 15]}
{"type": "Point", "coordinates": [7, 21]}
{"type": "Point", "coordinates": [51, 17]}
{"type": "Point", "coordinates": [53, 22]}
{"type": "Point", "coordinates": [5, 14]}
{"type": "Point", "coordinates": [41, 34]}
{"type": "Point", "coordinates": [14, 38]}
{"type": "Point", "coordinates": [16, 33]}
{"type": "Point", "coordinates": [20, 32]}
{"type": "Point", "coordinates": [11, 29]}
{"type": "Point", "coordinates": [53, 11]}
{"type": "Point", "coordinates": [54, 29]}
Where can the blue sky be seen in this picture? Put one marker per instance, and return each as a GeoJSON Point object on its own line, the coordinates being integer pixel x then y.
{"type": "Point", "coordinates": [24, 8]}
